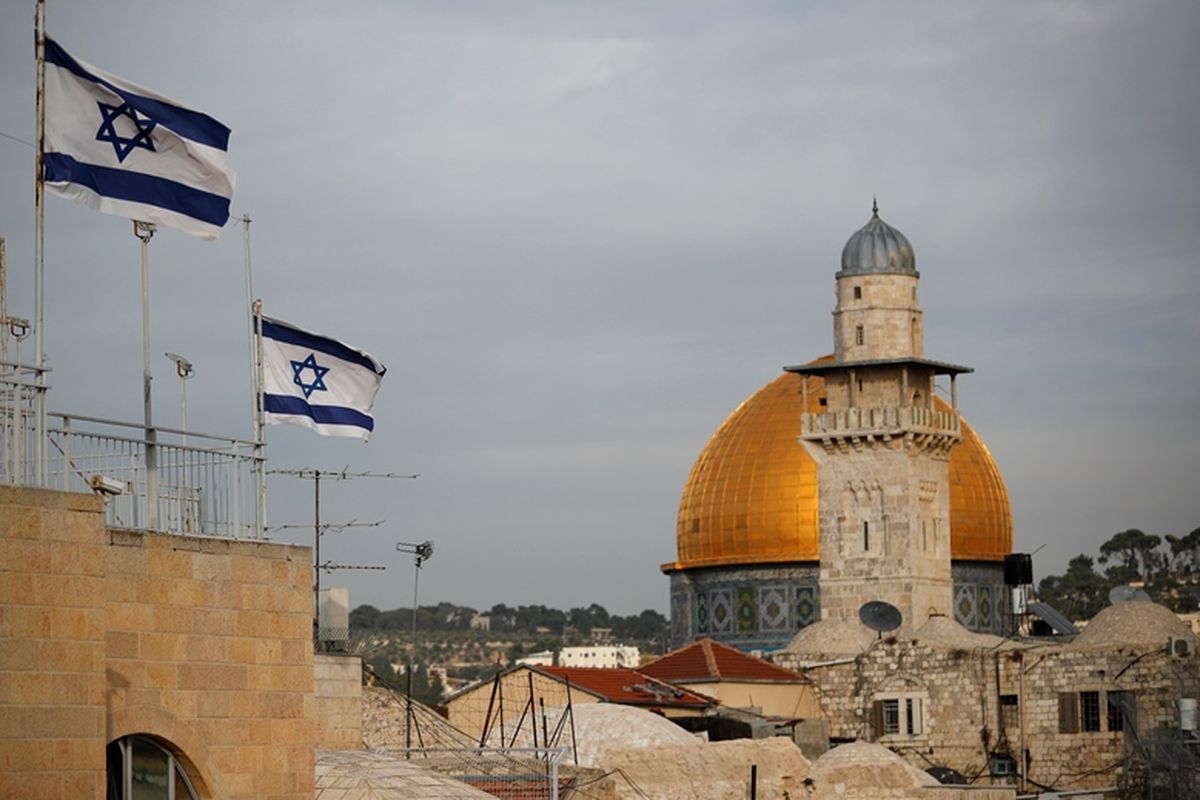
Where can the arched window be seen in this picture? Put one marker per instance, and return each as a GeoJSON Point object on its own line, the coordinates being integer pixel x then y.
{"type": "Point", "coordinates": [858, 334]}
{"type": "Point", "coordinates": [140, 768]}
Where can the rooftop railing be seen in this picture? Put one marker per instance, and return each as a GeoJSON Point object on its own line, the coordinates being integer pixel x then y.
{"type": "Point", "coordinates": [171, 480]}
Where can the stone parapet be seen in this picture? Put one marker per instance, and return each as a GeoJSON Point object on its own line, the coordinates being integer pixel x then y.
{"type": "Point", "coordinates": [890, 426]}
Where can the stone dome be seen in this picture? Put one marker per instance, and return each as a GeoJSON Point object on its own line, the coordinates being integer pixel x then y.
{"type": "Point", "coordinates": [751, 497]}
{"type": "Point", "coordinates": [1132, 624]}
{"type": "Point", "coordinates": [877, 249]}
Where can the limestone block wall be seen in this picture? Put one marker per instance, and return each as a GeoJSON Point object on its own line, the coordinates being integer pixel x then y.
{"type": "Point", "coordinates": [338, 693]}
{"type": "Point", "coordinates": [886, 307]}
{"type": "Point", "coordinates": [52, 645]}
{"type": "Point", "coordinates": [209, 645]}
{"type": "Point", "coordinates": [203, 644]}
{"type": "Point", "coordinates": [963, 721]}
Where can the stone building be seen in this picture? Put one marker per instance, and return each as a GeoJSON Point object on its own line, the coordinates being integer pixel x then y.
{"type": "Point", "coordinates": [844, 480]}
{"type": "Point", "coordinates": [183, 665]}
{"type": "Point", "coordinates": [1100, 711]}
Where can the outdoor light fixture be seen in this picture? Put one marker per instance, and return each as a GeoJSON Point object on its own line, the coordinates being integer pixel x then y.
{"type": "Point", "coordinates": [102, 484]}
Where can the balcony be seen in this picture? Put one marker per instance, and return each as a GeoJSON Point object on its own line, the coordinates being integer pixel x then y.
{"type": "Point", "coordinates": [858, 427]}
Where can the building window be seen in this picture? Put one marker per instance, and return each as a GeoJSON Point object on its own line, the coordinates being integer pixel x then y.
{"type": "Point", "coordinates": [900, 715]}
{"type": "Point", "coordinates": [866, 536]}
{"type": "Point", "coordinates": [1121, 711]}
{"type": "Point", "coordinates": [858, 293]}
{"type": "Point", "coordinates": [860, 385]}
{"type": "Point", "coordinates": [1080, 711]}
{"type": "Point", "coordinates": [1089, 711]}
{"type": "Point", "coordinates": [858, 334]}
{"type": "Point", "coordinates": [1010, 712]}
{"type": "Point", "coordinates": [141, 769]}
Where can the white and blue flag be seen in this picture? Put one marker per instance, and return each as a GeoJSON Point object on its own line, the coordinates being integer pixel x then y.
{"type": "Point", "coordinates": [125, 150]}
{"type": "Point", "coordinates": [317, 382]}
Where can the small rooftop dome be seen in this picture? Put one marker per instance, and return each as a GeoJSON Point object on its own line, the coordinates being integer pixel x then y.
{"type": "Point", "coordinates": [878, 249]}
{"type": "Point", "coordinates": [865, 769]}
{"type": "Point", "coordinates": [1133, 624]}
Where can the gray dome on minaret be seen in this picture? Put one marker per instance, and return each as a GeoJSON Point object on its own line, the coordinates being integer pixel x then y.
{"type": "Point", "coordinates": [878, 249]}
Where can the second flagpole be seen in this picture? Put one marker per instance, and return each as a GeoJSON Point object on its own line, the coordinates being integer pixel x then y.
{"type": "Point", "coordinates": [145, 231]}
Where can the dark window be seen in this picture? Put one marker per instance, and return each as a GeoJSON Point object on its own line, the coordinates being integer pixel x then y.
{"type": "Point", "coordinates": [860, 384]}
{"type": "Point", "coordinates": [866, 535]}
{"type": "Point", "coordinates": [1089, 711]}
{"type": "Point", "coordinates": [858, 293]}
{"type": "Point", "coordinates": [891, 716]}
{"type": "Point", "coordinates": [1010, 711]}
{"type": "Point", "coordinates": [1121, 710]}
{"type": "Point", "coordinates": [912, 716]}
{"type": "Point", "coordinates": [1068, 713]}
{"type": "Point", "coordinates": [858, 335]}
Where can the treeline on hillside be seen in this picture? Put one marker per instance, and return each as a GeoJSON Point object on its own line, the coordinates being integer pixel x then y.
{"type": "Point", "coordinates": [1167, 567]}
{"type": "Point", "coordinates": [649, 624]}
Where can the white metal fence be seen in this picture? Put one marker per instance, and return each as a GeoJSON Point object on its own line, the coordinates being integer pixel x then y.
{"type": "Point", "coordinates": [163, 479]}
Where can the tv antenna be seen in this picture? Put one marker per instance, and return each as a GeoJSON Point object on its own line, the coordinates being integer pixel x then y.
{"type": "Point", "coordinates": [316, 475]}
{"type": "Point", "coordinates": [421, 553]}
{"type": "Point", "coordinates": [880, 616]}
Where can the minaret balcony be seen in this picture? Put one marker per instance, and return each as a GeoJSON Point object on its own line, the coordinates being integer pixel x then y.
{"type": "Point", "coordinates": [890, 427]}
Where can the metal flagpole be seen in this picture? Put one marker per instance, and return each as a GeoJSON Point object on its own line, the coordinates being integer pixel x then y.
{"type": "Point", "coordinates": [145, 231]}
{"type": "Point", "coordinates": [254, 321]}
{"type": "Point", "coordinates": [39, 304]}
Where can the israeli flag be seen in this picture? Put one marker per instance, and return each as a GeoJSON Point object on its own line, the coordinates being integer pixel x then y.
{"type": "Point", "coordinates": [125, 150]}
{"type": "Point", "coordinates": [317, 382]}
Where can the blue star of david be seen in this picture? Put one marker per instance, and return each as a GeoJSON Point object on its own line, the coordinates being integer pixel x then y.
{"type": "Point", "coordinates": [318, 382]}
{"type": "Point", "coordinates": [124, 145]}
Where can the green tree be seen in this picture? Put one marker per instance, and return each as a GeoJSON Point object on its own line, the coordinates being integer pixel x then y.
{"type": "Point", "coordinates": [1080, 593]}
{"type": "Point", "coordinates": [1136, 551]}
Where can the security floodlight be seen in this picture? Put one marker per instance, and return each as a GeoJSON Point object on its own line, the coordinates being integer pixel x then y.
{"type": "Point", "coordinates": [183, 367]}
{"type": "Point", "coordinates": [102, 484]}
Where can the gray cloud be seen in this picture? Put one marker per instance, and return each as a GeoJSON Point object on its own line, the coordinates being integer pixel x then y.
{"type": "Point", "coordinates": [579, 235]}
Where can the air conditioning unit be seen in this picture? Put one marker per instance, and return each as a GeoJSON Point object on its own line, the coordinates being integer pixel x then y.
{"type": "Point", "coordinates": [1181, 647]}
{"type": "Point", "coordinates": [1002, 766]}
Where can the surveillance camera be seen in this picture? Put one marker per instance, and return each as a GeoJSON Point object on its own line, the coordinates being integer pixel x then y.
{"type": "Point", "coordinates": [102, 484]}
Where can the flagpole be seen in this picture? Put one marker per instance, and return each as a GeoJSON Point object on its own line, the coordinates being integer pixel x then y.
{"type": "Point", "coordinates": [39, 317]}
{"type": "Point", "coordinates": [260, 428]}
{"type": "Point", "coordinates": [145, 231]}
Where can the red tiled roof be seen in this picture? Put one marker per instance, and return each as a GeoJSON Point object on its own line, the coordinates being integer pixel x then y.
{"type": "Point", "coordinates": [707, 660]}
{"type": "Point", "coordinates": [627, 686]}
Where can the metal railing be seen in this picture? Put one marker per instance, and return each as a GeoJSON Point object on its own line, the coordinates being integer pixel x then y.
{"type": "Point", "coordinates": [201, 484]}
{"type": "Point", "coordinates": [22, 401]}
{"type": "Point", "coordinates": [512, 773]}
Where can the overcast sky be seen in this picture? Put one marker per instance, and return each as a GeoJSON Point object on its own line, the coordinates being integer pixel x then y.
{"type": "Point", "coordinates": [579, 234]}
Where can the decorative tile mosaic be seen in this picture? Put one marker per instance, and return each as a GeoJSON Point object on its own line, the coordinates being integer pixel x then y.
{"type": "Point", "coordinates": [806, 606]}
{"type": "Point", "coordinates": [702, 612]}
{"type": "Point", "coordinates": [965, 607]}
{"type": "Point", "coordinates": [747, 609]}
{"type": "Point", "coordinates": [680, 617]}
{"type": "Point", "coordinates": [720, 603]}
{"type": "Point", "coordinates": [772, 608]}
{"type": "Point", "coordinates": [987, 609]}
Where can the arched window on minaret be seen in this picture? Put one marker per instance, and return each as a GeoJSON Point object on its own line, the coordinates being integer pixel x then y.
{"type": "Point", "coordinates": [866, 536]}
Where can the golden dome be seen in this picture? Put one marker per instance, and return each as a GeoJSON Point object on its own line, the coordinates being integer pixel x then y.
{"type": "Point", "coordinates": [751, 497]}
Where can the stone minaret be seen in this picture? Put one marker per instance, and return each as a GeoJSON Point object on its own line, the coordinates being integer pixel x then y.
{"type": "Point", "coordinates": [881, 444]}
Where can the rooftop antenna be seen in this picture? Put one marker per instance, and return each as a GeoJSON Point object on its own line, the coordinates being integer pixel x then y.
{"type": "Point", "coordinates": [316, 475]}
{"type": "Point", "coordinates": [421, 553]}
{"type": "Point", "coordinates": [880, 616]}
{"type": "Point", "coordinates": [1127, 594]}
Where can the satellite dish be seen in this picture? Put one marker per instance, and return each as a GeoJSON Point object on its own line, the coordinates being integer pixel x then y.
{"type": "Point", "coordinates": [1128, 594]}
{"type": "Point", "coordinates": [947, 776]}
{"type": "Point", "coordinates": [880, 616]}
{"type": "Point", "coordinates": [1120, 594]}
